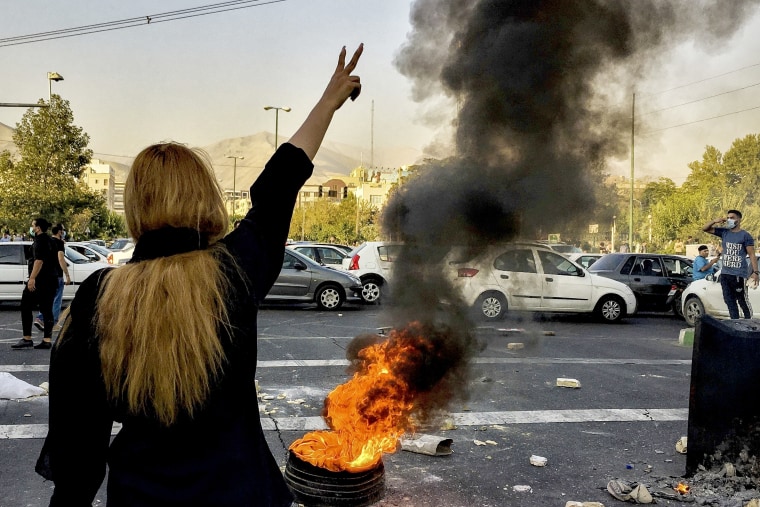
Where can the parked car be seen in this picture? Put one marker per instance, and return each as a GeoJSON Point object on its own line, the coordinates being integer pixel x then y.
{"type": "Point", "coordinates": [303, 280]}
{"type": "Point", "coordinates": [321, 253]}
{"type": "Point", "coordinates": [121, 244]}
{"type": "Point", "coordinates": [372, 262]}
{"type": "Point", "coordinates": [532, 277]}
{"type": "Point", "coordinates": [344, 248]}
{"type": "Point", "coordinates": [14, 271]}
{"type": "Point", "coordinates": [584, 259]}
{"type": "Point", "coordinates": [562, 248]}
{"type": "Point", "coordinates": [705, 297]}
{"type": "Point", "coordinates": [122, 255]}
{"type": "Point", "coordinates": [98, 242]}
{"type": "Point", "coordinates": [658, 280]}
{"type": "Point", "coordinates": [90, 250]}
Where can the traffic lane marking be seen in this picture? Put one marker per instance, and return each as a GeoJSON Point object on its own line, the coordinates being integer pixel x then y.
{"type": "Point", "coordinates": [25, 431]}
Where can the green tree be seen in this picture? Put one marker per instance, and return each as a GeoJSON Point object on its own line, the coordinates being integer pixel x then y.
{"type": "Point", "coordinates": [326, 218]}
{"type": "Point", "coordinates": [43, 180]}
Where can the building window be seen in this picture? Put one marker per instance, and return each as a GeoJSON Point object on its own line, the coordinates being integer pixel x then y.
{"type": "Point", "coordinates": [105, 181]}
{"type": "Point", "coordinates": [376, 199]}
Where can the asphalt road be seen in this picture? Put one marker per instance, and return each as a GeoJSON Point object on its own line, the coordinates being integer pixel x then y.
{"type": "Point", "coordinates": [622, 423]}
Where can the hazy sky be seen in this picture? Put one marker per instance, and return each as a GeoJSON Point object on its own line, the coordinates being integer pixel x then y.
{"type": "Point", "coordinates": [207, 78]}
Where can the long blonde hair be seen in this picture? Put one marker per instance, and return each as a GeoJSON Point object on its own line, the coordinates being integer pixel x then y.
{"type": "Point", "coordinates": [159, 319]}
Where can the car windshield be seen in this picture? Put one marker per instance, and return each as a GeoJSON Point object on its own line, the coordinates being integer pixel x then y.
{"type": "Point", "coordinates": [605, 263]}
{"type": "Point", "coordinates": [76, 257]}
{"type": "Point", "coordinates": [119, 244]}
{"type": "Point", "coordinates": [100, 249]}
{"type": "Point", "coordinates": [565, 248]}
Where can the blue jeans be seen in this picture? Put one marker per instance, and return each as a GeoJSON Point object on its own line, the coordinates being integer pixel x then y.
{"type": "Point", "coordinates": [735, 295]}
{"type": "Point", "coordinates": [56, 302]}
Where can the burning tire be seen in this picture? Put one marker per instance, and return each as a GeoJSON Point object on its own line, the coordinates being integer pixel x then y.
{"type": "Point", "coordinates": [610, 308]}
{"type": "Point", "coordinates": [693, 311]}
{"type": "Point", "coordinates": [371, 290]}
{"type": "Point", "coordinates": [491, 306]}
{"type": "Point", "coordinates": [317, 486]}
{"type": "Point", "coordinates": [329, 297]}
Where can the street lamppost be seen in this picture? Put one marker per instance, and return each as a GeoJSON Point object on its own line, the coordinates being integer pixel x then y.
{"type": "Point", "coordinates": [650, 228]}
{"type": "Point", "coordinates": [276, 119]}
{"type": "Point", "coordinates": [52, 76]}
{"type": "Point", "coordinates": [234, 183]}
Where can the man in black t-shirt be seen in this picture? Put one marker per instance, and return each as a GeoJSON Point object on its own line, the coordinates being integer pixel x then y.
{"type": "Point", "coordinates": [61, 269]}
{"type": "Point", "coordinates": [41, 287]}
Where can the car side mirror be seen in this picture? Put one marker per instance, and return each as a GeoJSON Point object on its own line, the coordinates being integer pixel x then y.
{"type": "Point", "coordinates": [711, 277]}
{"type": "Point", "coordinates": [299, 266]}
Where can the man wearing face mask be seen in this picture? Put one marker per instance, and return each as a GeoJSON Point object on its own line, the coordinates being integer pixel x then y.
{"type": "Point", "coordinates": [41, 287]}
{"type": "Point", "coordinates": [737, 245]}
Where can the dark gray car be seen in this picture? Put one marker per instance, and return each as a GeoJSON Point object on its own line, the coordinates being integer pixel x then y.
{"type": "Point", "coordinates": [303, 280]}
{"type": "Point", "coordinates": [657, 280]}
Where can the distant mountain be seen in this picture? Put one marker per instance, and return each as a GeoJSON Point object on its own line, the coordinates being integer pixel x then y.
{"type": "Point", "coordinates": [332, 161]}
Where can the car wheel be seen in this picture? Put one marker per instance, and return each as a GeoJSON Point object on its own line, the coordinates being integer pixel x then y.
{"type": "Point", "coordinates": [693, 311]}
{"type": "Point", "coordinates": [610, 308]}
{"type": "Point", "coordinates": [677, 308]}
{"type": "Point", "coordinates": [329, 297]}
{"type": "Point", "coordinates": [371, 290]}
{"type": "Point", "coordinates": [491, 306]}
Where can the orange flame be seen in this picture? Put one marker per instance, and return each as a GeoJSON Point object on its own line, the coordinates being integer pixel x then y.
{"type": "Point", "coordinates": [682, 488]}
{"type": "Point", "coordinates": [369, 413]}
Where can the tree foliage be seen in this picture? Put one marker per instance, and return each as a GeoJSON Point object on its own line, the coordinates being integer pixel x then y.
{"type": "Point", "coordinates": [43, 180]}
{"type": "Point", "coordinates": [715, 184]}
{"type": "Point", "coordinates": [347, 221]}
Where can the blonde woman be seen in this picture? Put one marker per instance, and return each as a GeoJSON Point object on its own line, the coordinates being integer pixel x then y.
{"type": "Point", "coordinates": [166, 345]}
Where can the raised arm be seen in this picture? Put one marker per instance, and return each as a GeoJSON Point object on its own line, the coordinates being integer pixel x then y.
{"type": "Point", "coordinates": [342, 85]}
{"type": "Point", "coordinates": [710, 226]}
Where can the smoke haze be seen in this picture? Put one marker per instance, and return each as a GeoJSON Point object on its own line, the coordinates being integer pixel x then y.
{"type": "Point", "coordinates": [543, 92]}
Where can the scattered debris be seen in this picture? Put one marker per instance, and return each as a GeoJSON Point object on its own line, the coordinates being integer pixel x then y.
{"type": "Point", "coordinates": [515, 346]}
{"type": "Point", "coordinates": [521, 488]}
{"type": "Point", "coordinates": [511, 330]}
{"type": "Point", "coordinates": [552, 333]}
{"type": "Point", "coordinates": [427, 444]}
{"type": "Point", "coordinates": [640, 494]}
{"type": "Point", "coordinates": [383, 330]}
{"type": "Point", "coordinates": [583, 504]}
{"type": "Point", "coordinates": [568, 382]}
{"type": "Point", "coordinates": [448, 424]}
{"type": "Point", "coordinates": [620, 490]}
{"type": "Point", "coordinates": [479, 442]}
{"type": "Point", "coordinates": [12, 388]}
{"type": "Point", "coordinates": [491, 442]}
{"type": "Point", "coordinates": [538, 461]}
{"type": "Point", "coordinates": [681, 445]}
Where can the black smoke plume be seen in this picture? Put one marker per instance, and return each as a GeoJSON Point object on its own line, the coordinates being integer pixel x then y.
{"type": "Point", "coordinates": [543, 92]}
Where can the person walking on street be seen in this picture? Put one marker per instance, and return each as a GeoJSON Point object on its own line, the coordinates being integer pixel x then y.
{"type": "Point", "coordinates": [737, 244]}
{"type": "Point", "coordinates": [703, 267]}
{"type": "Point", "coordinates": [62, 270]}
{"type": "Point", "coordinates": [167, 345]}
{"type": "Point", "coordinates": [41, 287]}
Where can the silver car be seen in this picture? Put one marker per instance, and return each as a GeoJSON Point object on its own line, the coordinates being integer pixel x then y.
{"type": "Point", "coordinates": [303, 280]}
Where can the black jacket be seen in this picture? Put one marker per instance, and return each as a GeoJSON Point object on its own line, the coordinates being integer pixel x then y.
{"type": "Point", "coordinates": [219, 457]}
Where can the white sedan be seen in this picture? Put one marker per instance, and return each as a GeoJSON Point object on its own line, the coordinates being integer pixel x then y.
{"type": "Point", "coordinates": [14, 270]}
{"type": "Point", "coordinates": [705, 297]}
{"type": "Point", "coordinates": [531, 277]}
